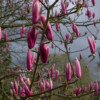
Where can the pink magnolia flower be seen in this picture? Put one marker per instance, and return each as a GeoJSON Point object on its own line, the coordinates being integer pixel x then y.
{"type": "Point", "coordinates": [57, 26]}
{"type": "Point", "coordinates": [22, 31]}
{"type": "Point", "coordinates": [96, 87]}
{"type": "Point", "coordinates": [50, 84]}
{"type": "Point", "coordinates": [77, 68]}
{"type": "Point", "coordinates": [52, 70]}
{"type": "Point", "coordinates": [82, 89]}
{"type": "Point", "coordinates": [5, 36]}
{"type": "Point", "coordinates": [56, 74]}
{"type": "Point", "coordinates": [67, 37]}
{"type": "Point", "coordinates": [75, 29]}
{"type": "Point", "coordinates": [86, 4]}
{"type": "Point", "coordinates": [94, 21]}
{"type": "Point", "coordinates": [93, 2]}
{"type": "Point", "coordinates": [0, 33]}
{"type": "Point", "coordinates": [27, 91]}
{"type": "Point", "coordinates": [20, 78]}
{"type": "Point", "coordinates": [15, 87]}
{"type": "Point", "coordinates": [22, 92]}
{"type": "Point", "coordinates": [88, 13]}
{"type": "Point", "coordinates": [49, 33]}
{"type": "Point", "coordinates": [63, 7]}
{"type": "Point", "coordinates": [93, 15]}
{"type": "Point", "coordinates": [36, 7]}
{"type": "Point", "coordinates": [92, 45]}
{"type": "Point", "coordinates": [77, 91]}
{"type": "Point", "coordinates": [56, 13]}
{"type": "Point", "coordinates": [44, 52]}
{"type": "Point", "coordinates": [42, 84]}
{"type": "Point", "coordinates": [68, 72]}
{"type": "Point", "coordinates": [11, 92]}
{"type": "Point", "coordinates": [32, 37]}
{"type": "Point", "coordinates": [30, 60]}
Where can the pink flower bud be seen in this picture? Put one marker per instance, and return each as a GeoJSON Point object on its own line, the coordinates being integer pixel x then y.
{"type": "Point", "coordinates": [77, 91]}
{"type": "Point", "coordinates": [56, 13]}
{"type": "Point", "coordinates": [56, 74]}
{"type": "Point", "coordinates": [36, 6]}
{"type": "Point", "coordinates": [94, 21]}
{"type": "Point", "coordinates": [44, 52]}
{"type": "Point", "coordinates": [57, 26]}
{"type": "Point", "coordinates": [93, 15]}
{"type": "Point", "coordinates": [22, 91]}
{"type": "Point", "coordinates": [42, 84]}
{"type": "Point", "coordinates": [67, 37]}
{"type": "Point", "coordinates": [86, 4]}
{"type": "Point", "coordinates": [5, 36]}
{"type": "Point", "coordinates": [49, 33]}
{"type": "Point", "coordinates": [30, 60]}
{"type": "Point", "coordinates": [20, 78]}
{"type": "Point", "coordinates": [63, 8]}
{"type": "Point", "coordinates": [0, 33]}
{"type": "Point", "coordinates": [50, 84]}
{"type": "Point", "coordinates": [82, 89]}
{"type": "Point", "coordinates": [88, 13]}
{"type": "Point", "coordinates": [11, 92]}
{"type": "Point", "coordinates": [75, 29]}
{"type": "Point", "coordinates": [77, 68]}
{"type": "Point", "coordinates": [27, 91]}
{"type": "Point", "coordinates": [92, 45]}
{"type": "Point", "coordinates": [32, 37]}
{"type": "Point", "coordinates": [15, 87]}
{"type": "Point", "coordinates": [96, 87]}
{"type": "Point", "coordinates": [93, 2]}
{"type": "Point", "coordinates": [52, 70]}
{"type": "Point", "coordinates": [22, 31]}
{"type": "Point", "coordinates": [68, 72]}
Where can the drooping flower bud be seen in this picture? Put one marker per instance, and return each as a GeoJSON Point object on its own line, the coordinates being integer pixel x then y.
{"type": "Point", "coordinates": [22, 31]}
{"type": "Point", "coordinates": [92, 45]}
{"type": "Point", "coordinates": [68, 72]}
{"type": "Point", "coordinates": [49, 33]}
{"type": "Point", "coordinates": [36, 7]}
{"type": "Point", "coordinates": [44, 52]}
{"type": "Point", "coordinates": [77, 68]}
